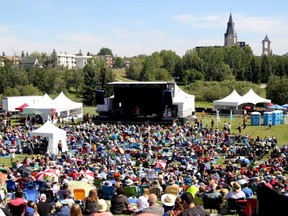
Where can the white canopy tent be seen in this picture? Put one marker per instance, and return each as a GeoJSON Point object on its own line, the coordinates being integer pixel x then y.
{"type": "Point", "coordinates": [234, 100]}
{"type": "Point", "coordinates": [60, 106]}
{"type": "Point", "coordinates": [54, 134]}
{"type": "Point", "coordinates": [253, 98]}
{"type": "Point", "coordinates": [185, 102]}
{"type": "Point", "coordinates": [71, 108]}
{"type": "Point", "coordinates": [43, 108]}
{"type": "Point", "coordinates": [229, 102]}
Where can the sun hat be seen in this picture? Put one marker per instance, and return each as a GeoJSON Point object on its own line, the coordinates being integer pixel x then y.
{"type": "Point", "coordinates": [129, 182]}
{"type": "Point", "coordinates": [101, 205]}
{"type": "Point", "coordinates": [168, 199]}
{"type": "Point", "coordinates": [236, 186]}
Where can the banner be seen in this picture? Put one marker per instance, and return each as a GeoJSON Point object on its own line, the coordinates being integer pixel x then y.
{"type": "Point", "coordinates": [231, 115]}
{"type": "Point", "coordinates": [218, 116]}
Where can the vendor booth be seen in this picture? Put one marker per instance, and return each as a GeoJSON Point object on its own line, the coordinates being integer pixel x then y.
{"type": "Point", "coordinates": [53, 134]}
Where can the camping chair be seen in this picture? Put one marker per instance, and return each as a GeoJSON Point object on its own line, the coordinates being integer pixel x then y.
{"type": "Point", "coordinates": [41, 185]}
{"type": "Point", "coordinates": [79, 194]}
{"type": "Point", "coordinates": [211, 203]}
{"type": "Point", "coordinates": [10, 185]}
{"type": "Point", "coordinates": [141, 189]}
{"type": "Point", "coordinates": [250, 207]}
{"type": "Point", "coordinates": [156, 191]}
{"type": "Point", "coordinates": [32, 194]}
{"type": "Point", "coordinates": [107, 192]}
{"type": "Point", "coordinates": [60, 194]}
{"type": "Point", "coordinates": [130, 191]}
{"type": "Point", "coordinates": [236, 205]}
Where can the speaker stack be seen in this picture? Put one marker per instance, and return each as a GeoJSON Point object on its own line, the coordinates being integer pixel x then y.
{"type": "Point", "coordinates": [167, 99]}
{"type": "Point", "coordinates": [100, 97]}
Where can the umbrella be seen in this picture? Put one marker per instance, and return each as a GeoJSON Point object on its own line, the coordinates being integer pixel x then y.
{"type": "Point", "coordinates": [22, 107]}
{"type": "Point", "coordinates": [247, 108]}
{"type": "Point", "coordinates": [25, 169]}
{"type": "Point", "coordinates": [285, 105]}
{"type": "Point", "coordinates": [46, 174]}
{"type": "Point", "coordinates": [87, 174]}
{"type": "Point", "coordinates": [160, 164]}
{"type": "Point", "coordinates": [80, 184]}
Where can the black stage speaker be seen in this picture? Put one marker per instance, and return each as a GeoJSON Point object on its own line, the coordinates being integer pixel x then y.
{"type": "Point", "coordinates": [167, 99]}
{"type": "Point", "coordinates": [100, 97]}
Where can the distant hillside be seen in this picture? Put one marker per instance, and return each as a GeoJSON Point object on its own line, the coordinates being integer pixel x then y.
{"type": "Point", "coordinates": [120, 75]}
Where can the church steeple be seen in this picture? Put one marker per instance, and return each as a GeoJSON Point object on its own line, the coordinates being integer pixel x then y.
{"type": "Point", "coordinates": [230, 37]}
{"type": "Point", "coordinates": [266, 50]}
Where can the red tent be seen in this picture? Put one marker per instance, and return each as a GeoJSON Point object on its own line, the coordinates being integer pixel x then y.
{"type": "Point", "coordinates": [22, 107]}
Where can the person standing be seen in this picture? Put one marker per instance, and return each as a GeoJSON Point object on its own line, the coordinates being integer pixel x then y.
{"type": "Point", "coordinates": [212, 123]}
{"type": "Point", "coordinates": [270, 125]}
{"type": "Point", "coordinates": [60, 147]}
{"type": "Point", "coordinates": [189, 206]}
{"type": "Point", "coordinates": [239, 128]}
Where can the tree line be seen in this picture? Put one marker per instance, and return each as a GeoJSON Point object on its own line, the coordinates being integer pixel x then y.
{"type": "Point", "coordinates": [215, 71]}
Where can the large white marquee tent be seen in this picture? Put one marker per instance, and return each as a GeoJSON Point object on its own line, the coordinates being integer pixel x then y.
{"type": "Point", "coordinates": [234, 100]}
{"type": "Point", "coordinates": [60, 106]}
{"type": "Point", "coordinates": [54, 134]}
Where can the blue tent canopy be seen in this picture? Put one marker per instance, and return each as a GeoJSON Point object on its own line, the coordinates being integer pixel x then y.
{"type": "Point", "coordinates": [276, 106]}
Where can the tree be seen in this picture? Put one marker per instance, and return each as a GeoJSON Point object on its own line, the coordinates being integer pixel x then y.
{"type": "Point", "coordinates": [160, 74]}
{"type": "Point", "coordinates": [74, 79]}
{"type": "Point", "coordinates": [277, 89]}
{"type": "Point", "coordinates": [8, 91]}
{"type": "Point", "coordinates": [28, 90]}
{"type": "Point", "coordinates": [266, 71]}
{"type": "Point", "coordinates": [105, 51]}
{"type": "Point", "coordinates": [53, 59]}
{"type": "Point", "coordinates": [96, 76]}
{"type": "Point", "coordinates": [118, 62]}
{"type": "Point", "coordinates": [147, 69]}
{"type": "Point", "coordinates": [135, 68]}
{"type": "Point", "coordinates": [170, 59]}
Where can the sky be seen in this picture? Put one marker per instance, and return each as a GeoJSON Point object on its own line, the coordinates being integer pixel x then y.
{"type": "Point", "coordinates": [130, 28]}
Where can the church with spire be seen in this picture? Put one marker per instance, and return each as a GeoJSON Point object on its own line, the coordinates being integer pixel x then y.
{"type": "Point", "coordinates": [230, 37]}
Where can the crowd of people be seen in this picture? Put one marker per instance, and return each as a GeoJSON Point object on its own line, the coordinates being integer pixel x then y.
{"type": "Point", "coordinates": [174, 169]}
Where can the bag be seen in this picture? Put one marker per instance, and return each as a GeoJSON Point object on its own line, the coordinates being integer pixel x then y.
{"type": "Point", "coordinates": [224, 210]}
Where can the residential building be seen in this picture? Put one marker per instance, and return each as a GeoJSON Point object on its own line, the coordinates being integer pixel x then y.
{"type": "Point", "coordinates": [29, 62]}
{"type": "Point", "coordinates": [71, 61]}
{"type": "Point", "coordinates": [81, 61]}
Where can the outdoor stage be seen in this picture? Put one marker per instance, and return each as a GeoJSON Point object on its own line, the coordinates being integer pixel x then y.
{"type": "Point", "coordinates": [140, 102]}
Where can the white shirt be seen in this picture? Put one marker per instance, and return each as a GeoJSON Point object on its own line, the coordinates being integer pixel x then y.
{"type": "Point", "coordinates": [234, 195]}
{"type": "Point", "coordinates": [142, 202]}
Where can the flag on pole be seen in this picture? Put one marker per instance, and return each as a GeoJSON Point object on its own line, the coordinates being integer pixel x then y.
{"type": "Point", "coordinates": [218, 116]}
{"type": "Point", "coordinates": [231, 115]}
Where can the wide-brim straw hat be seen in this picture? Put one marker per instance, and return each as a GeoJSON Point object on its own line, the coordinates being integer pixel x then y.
{"type": "Point", "coordinates": [236, 186]}
{"type": "Point", "coordinates": [168, 199]}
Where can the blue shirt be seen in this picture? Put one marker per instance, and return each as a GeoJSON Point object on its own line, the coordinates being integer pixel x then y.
{"type": "Point", "coordinates": [248, 192]}
{"type": "Point", "coordinates": [65, 211]}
